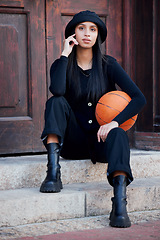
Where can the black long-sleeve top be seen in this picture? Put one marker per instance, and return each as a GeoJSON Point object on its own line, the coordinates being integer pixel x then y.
{"type": "Point", "coordinates": [85, 110]}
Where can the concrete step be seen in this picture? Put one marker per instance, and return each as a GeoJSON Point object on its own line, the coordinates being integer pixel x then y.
{"type": "Point", "coordinates": [78, 200]}
{"type": "Point", "coordinates": [80, 224]}
{"type": "Point", "coordinates": [30, 171]}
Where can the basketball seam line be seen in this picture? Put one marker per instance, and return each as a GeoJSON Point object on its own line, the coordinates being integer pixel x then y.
{"type": "Point", "coordinates": [119, 96]}
{"type": "Point", "coordinates": [101, 118]}
{"type": "Point", "coordinates": [109, 107]}
{"type": "Point", "coordinates": [120, 124]}
{"type": "Point", "coordinates": [115, 110]}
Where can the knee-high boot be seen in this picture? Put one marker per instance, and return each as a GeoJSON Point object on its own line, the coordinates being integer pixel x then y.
{"type": "Point", "coordinates": [118, 216]}
{"type": "Point", "coordinates": [52, 182]}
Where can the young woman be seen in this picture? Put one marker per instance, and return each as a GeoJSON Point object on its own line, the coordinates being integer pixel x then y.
{"type": "Point", "coordinates": [78, 79]}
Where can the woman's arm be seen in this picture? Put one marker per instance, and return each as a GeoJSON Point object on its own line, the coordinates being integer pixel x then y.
{"type": "Point", "coordinates": [59, 68]}
{"type": "Point", "coordinates": [58, 76]}
{"type": "Point", "coordinates": [121, 78]}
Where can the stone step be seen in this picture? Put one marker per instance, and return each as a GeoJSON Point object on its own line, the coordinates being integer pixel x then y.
{"type": "Point", "coordinates": [76, 224]}
{"type": "Point", "coordinates": [30, 171]}
{"type": "Point", "coordinates": [78, 200]}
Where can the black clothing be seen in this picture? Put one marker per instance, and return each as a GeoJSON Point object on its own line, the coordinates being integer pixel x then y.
{"type": "Point", "coordinates": [81, 144]}
{"type": "Point", "coordinates": [85, 110]}
{"type": "Point", "coordinates": [73, 119]}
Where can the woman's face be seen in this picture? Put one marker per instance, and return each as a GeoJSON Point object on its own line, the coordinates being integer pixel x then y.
{"type": "Point", "coordinates": [86, 34]}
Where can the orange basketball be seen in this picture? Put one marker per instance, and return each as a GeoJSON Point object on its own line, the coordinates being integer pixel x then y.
{"type": "Point", "coordinates": [110, 105]}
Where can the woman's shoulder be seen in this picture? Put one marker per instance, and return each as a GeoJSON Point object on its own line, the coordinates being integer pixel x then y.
{"type": "Point", "coordinates": [109, 59]}
{"type": "Point", "coordinates": [59, 61]}
{"type": "Point", "coordinates": [109, 64]}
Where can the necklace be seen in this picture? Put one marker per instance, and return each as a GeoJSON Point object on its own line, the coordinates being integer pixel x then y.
{"type": "Point", "coordinates": [85, 74]}
{"type": "Point", "coordinates": [86, 66]}
{"type": "Point", "coordinates": [89, 67]}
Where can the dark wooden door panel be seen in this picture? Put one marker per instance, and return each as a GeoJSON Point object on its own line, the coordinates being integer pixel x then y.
{"type": "Point", "coordinates": [147, 134]}
{"type": "Point", "coordinates": [156, 66]}
{"type": "Point", "coordinates": [12, 3]}
{"type": "Point", "coordinates": [144, 61]}
{"type": "Point", "coordinates": [23, 75]}
{"type": "Point", "coordinates": [14, 95]}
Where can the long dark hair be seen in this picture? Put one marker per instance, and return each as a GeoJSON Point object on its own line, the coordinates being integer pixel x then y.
{"type": "Point", "coordinates": [96, 83]}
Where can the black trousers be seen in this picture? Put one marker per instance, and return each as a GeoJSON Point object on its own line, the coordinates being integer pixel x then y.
{"type": "Point", "coordinates": [79, 144]}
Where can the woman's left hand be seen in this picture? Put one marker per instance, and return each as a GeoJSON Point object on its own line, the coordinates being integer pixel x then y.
{"type": "Point", "coordinates": [105, 129]}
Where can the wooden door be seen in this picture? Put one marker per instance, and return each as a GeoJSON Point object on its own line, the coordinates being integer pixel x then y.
{"type": "Point", "coordinates": [22, 75]}
{"type": "Point", "coordinates": [147, 135]}
{"type": "Point", "coordinates": [32, 34]}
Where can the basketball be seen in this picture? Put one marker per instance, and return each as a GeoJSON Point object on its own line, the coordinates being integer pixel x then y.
{"type": "Point", "coordinates": [110, 105]}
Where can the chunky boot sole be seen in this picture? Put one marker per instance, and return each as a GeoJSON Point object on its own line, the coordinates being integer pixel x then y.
{"type": "Point", "coordinates": [51, 187]}
{"type": "Point", "coordinates": [120, 222]}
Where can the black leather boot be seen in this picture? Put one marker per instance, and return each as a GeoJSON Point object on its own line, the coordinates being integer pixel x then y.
{"type": "Point", "coordinates": [52, 182]}
{"type": "Point", "coordinates": [118, 216]}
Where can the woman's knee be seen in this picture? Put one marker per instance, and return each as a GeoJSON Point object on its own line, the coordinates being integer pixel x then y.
{"type": "Point", "coordinates": [56, 101]}
{"type": "Point", "coordinates": [117, 133]}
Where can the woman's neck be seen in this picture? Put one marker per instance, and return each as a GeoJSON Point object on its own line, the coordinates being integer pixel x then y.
{"type": "Point", "coordinates": [84, 58]}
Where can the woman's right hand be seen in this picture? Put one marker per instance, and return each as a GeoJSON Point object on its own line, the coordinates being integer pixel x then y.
{"type": "Point", "coordinates": [68, 45]}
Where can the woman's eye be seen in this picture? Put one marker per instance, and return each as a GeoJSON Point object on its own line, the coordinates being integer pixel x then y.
{"type": "Point", "coordinates": [80, 28]}
{"type": "Point", "coordinates": [93, 29]}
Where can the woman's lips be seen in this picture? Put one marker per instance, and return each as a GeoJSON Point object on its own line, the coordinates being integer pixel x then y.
{"type": "Point", "coordinates": [85, 40]}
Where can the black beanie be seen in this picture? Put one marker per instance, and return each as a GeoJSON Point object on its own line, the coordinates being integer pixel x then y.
{"type": "Point", "coordinates": [86, 16]}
